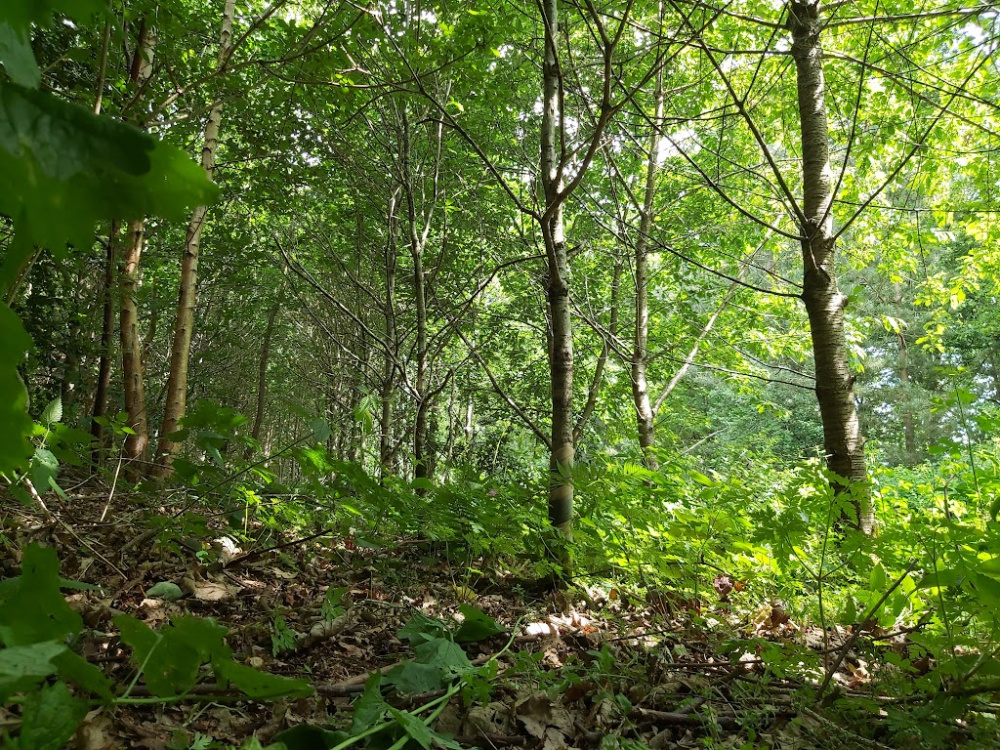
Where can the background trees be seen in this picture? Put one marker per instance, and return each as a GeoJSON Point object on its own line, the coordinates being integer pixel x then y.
{"type": "Point", "coordinates": [467, 237]}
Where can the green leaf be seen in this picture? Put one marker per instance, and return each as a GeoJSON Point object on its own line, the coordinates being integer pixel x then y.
{"type": "Point", "coordinates": [169, 666]}
{"type": "Point", "coordinates": [310, 737]}
{"type": "Point", "coordinates": [17, 58]}
{"type": "Point", "coordinates": [202, 635]}
{"type": "Point", "coordinates": [66, 583]}
{"type": "Point", "coordinates": [74, 668]}
{"type": "Point", "coordinates": [50, 718]}
{"type": "Point", "coordinates": [15, 448]}
{"type": "Point", "coordinates": [53, 412]}
{"type": "Point", "coordinates": [23, 667]}
{"type": "Point", "coordinates": [420, 628]}
{"type": "Point", "coordinates": [166, 590]}
{"type": "Point", "coordinates": [477, 625]}
{"type": "Point", "coordinates": [33, 610]}
{"type": "Point", "coordinates": [445, 655]}
{"type": "Point", "coordinates": [62, 168]}
{"type": "Point", "coordinates": [369, 709]}
{"type": "Point", "coordinates": [260, 685]}
{"type": "Point", "coordinates": [411, 677]}
{"type": "Point", "coordinates": [414, 727]}
{"type": "Point", "coordinates": [44, 469]}
{"type": "Point", "coordinates": [938, 579]}
{"type": "Point", "coordinates": [321, 430]}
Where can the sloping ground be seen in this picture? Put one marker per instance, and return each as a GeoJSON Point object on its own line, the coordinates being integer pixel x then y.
{"type": "Point", "coordinates": [596, 666]}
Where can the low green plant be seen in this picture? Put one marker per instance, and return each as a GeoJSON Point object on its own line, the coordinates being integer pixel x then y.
{"type": "Point", "coordinates": [53, 444]}
{"type": "Point", "coordinates": [55, 687]}
{"type": "Point", "coordinates": [440, 664]}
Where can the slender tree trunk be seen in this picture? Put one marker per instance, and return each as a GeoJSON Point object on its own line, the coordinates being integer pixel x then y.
{"type": "Point", "coordinates": [74, 356]}
{"type": "Point", "coordinates": [909, 422]}
{"type": "Point", "coordinates": [420, 458]}
{"type": "Point", "coordinates": [469, 427]}
{"type": "Point", "coordinates": [416, 241]}
{"type": "Point", "coordinates": [557, 282]}
{"type": "Point", "coordinates": [136, 444]}
{"type": "Point", "coordinates": [602, 359]}
{"type": "Point", "coordinates": [176, 394]}
{"type": "Point", "coordinates": [388, 390]}
{"type": "Point", "coordinates": [107, 334]}
{"type": "Point", "coordinates": [265, 357]}
{"type": "Point", "coordinates": [823, 299]}
{"type": "Point", "coordinates": [645, 415]}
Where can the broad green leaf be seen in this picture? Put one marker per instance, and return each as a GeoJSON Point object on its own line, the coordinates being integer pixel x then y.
{"type": "Point", "coordinates": [445, 655]}
{"type": "Point", "coordinates": [310, 737]}
{"type": "Point", "coordinates": [321, 430]}
{"type": "Point", "coordinates": [477, 625]}
{"type": "Point", "coordinates": [201, 634]}
{"type": "Point", "coordinates": [414, 727]}
{"type": "Point", "coordinates": [22, 667]}
{"type": "Point", "coordinates": [412, 677]}
{"type": "Point", "coordinates": [420, 628]}
{"type": "Point", "coordinates": [166, 590]}
{"type": "Point", "coordinates": [33, 610]}
{"type": "Point", "coordinates": [169, 665]}
{"type": "Point", "coordinates": [15, 448]}
{"type": "Point", "coordinates": [370, 708]}
{"type": "Point", "coordinates": [17, 58]}
{"type": "Point", "coordinates": [44, 469]}
{"type": "Point", "coordinates": [16, 18]}
{"type": "Point", "coordinates": [260, 685]}
{"type": "Point", "coordinates": [50, 717]}
{"type": "Point", "coordinates": [74, 668]}
{"type": "Point", "coordinates": [62, 168]}
{"type": "Point", "coordinates": [53, 412]}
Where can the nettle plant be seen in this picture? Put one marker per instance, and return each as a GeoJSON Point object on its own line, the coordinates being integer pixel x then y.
{"type": "Point", "coordinates": [55, 687]}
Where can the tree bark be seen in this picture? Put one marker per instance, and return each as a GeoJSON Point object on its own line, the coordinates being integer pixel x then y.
{"type": "Point", "coordinates": [823, 299]}
{"type": "Point", "coordinates": [107, 333]}
{"type": "Point", "coordinates": [176, 393]}
{"type": "Point", "coordinates": [558, 282]}
{"type": "Point", "coordinates": [388, 389]}
{"type": "Point", "coordinates": [602, 359]}
{"type": "Point", "coordinates": [645, 415]}
{"type": "Point", "coordinates": [136, 444]}
{"type": "Point", "coordinates": [416, 241]}
{"type": "Point", "coordinates": [265, 357]}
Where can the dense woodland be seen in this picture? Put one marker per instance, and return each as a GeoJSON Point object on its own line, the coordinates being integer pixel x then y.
{"type": "Point", "coordinates": [650, 348]}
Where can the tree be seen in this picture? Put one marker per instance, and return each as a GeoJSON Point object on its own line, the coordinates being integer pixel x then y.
{"type": "Point", "coordinates": [177, 382]}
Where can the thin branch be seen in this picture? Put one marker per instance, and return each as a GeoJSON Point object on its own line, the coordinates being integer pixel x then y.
{"type": "Point", "coordinates": [911, 16]}
{"type": "Point", "coordinates": [916, 147]}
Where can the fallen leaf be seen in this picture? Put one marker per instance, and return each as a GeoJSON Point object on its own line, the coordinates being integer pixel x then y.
{"type": "Point", "coordinates": [207, 591]}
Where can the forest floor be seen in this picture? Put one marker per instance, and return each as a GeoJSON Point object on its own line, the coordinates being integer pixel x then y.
{"type": "Point", "coordinates": [590, 667]}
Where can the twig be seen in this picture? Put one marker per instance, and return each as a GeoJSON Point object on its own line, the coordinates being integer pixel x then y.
{"type": "Point", "coordinates": [849, 643]}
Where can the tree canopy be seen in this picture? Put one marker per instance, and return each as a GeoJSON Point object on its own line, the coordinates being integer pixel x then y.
{"type": "Point", "coordinates": [682, 290]}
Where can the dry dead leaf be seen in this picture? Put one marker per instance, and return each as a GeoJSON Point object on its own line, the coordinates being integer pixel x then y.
{"type": "Point", "coordinates": [539, 713]}
{"type": "Point", "coordinates": [207, 591]}
{"type": "Point", "coordinates": [94, 733]}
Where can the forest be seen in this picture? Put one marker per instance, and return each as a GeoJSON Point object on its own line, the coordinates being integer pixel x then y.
{"type": "Point", "coordinates": [546, 374]}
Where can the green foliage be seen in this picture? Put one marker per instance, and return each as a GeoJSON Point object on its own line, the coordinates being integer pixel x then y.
{"type": "Point", "coordinates": [282, 636]}
{"type": "Point", "coordinates": [63, 168]}
{"type": "Point", "coordinates": [36, 625]}
{"type": "Point", "coordinates": [331, 608]}
{"type": "Point", "coordinates": [440, 663]}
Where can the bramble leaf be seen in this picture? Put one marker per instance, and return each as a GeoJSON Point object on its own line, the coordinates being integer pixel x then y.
{"type": "Point", "coordinates": [50, 718]}
{"type": "Point", "coordinates": [260, 685]}
{"type": "Point", "coordinates": [33, 610]}
{"type": "Point", "coordinates": [477, 625]}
